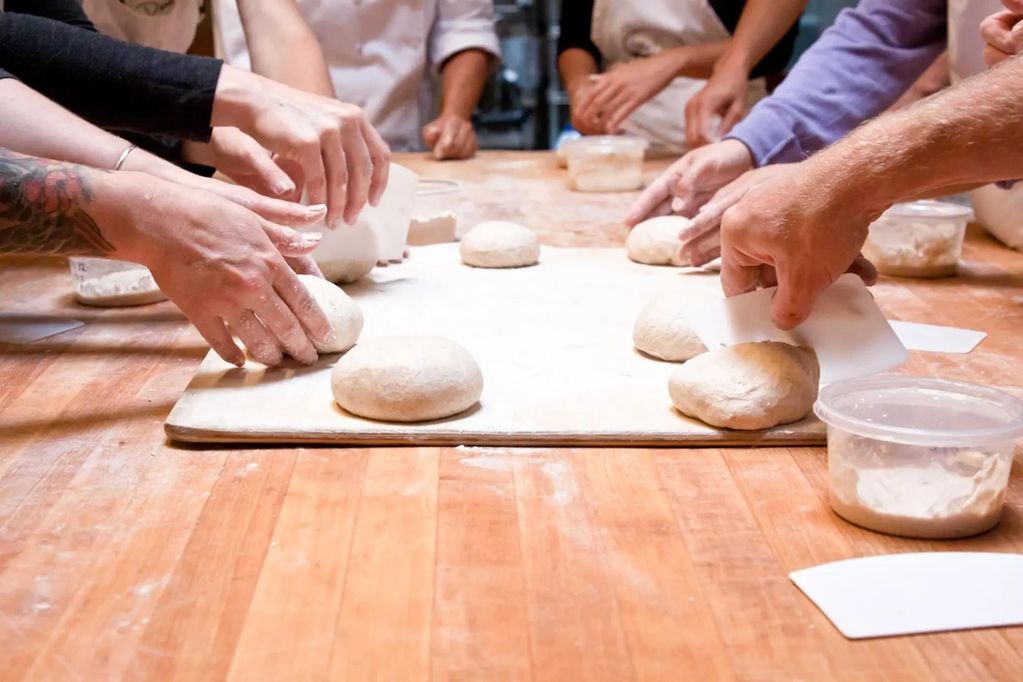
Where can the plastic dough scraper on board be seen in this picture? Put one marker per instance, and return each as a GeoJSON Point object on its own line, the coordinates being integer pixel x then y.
{"type": "Point", "coordinates": [846, 328]}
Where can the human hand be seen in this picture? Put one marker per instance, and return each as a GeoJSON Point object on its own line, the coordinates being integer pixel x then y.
{"type": "Point", "coordinates": [222, 264]}
{"type": "Point", "coordinates": [690, 181]}
{"type": "Point", "coordinates": [578, 93]}
{"type": "Point", "coordinates": [701, 241]}
{"type": "Point", "coordinates": [614, 95]}
{"type": "Point", "coordinates": [244, 161]}
{"type": "Point", "coordinates": [1003, 32]}
{"type": "Point", "coordinates": [796, 232]}
{"type": "Point", "coordinates": [450, 137]}
{"type": "Point", "coordinates": [717, 107]}
{"type": "Point", "coordinates": [344, 160]}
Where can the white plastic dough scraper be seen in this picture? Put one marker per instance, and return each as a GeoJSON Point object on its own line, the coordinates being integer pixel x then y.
{"type": "Point", "coordinates": [846, 328]}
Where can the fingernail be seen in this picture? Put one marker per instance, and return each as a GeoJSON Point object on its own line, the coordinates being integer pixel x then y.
{"type": "Point", "coordinates": [312, 236]}
{"type": "Point", "coordinates": [283, 187]}
{"type": "Point", "coordinates": [316, 208]}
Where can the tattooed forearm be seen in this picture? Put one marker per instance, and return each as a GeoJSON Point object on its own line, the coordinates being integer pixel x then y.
{"type": "Point", "coordinates": [43, 208]}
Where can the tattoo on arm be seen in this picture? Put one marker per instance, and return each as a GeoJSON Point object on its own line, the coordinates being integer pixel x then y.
{"type": "Point", "coordinates": [43, 208]}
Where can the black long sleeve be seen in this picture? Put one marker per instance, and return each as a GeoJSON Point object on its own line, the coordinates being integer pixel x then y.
{"type": "Point", "coordinates": [575, 26]}
{"type": "Point", "coordinates": [64, 11]}
{"type": "Point", "coordinates": [113, 84]}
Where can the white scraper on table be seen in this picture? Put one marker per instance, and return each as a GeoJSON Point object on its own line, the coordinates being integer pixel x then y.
{"type": "Point", "coordinates": [380, 232]}
{"type": "Point", "coordinates": [903, 594]}
{"type": "Point", "coordinates": [846, 328]}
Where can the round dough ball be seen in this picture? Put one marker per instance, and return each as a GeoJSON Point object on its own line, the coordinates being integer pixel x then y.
{"type": "Point", "coordinates": [747, 386]}
{"type": "Point", "coordinates": [407, 379]}
{"type": "Point", "coordinates": [346, 271]}
{"type": "Point", "coordinates": [655, 241]}
{"type": "Point", "coordinates": [500, 244]}
{"type": "Point", "coordinates": [662, 330]}
{"type": "Point", "coordinates": [342, 312]}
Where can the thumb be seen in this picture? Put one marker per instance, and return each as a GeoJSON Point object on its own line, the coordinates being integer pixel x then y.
{"type": "Point", "coordinates": [431, 133]}
{"type": "Point", "coordinates": [732, 116]}
{"type": "Point", "coordinates": [793, 301]}
{"type": "Point", "coordinates": [291, 242]}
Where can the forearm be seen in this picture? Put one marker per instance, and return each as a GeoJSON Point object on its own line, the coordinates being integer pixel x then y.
{"type": "Point", "coordinates": [575, 64]}
{"type": "Point", "coordinates": [46, 208]}
{"type": "Point", "coordinates": [111, 83]}
{"type": "Point", "coordinates": [969, 134]}
{"type": "Point", "coordinates": [761, 26]}
{"type": "Point", "coordinates": [282, 47]}
{"type": "Point", "coordinates": [695, 61]}
{"type": "Point", "coordinates": [462, 79]}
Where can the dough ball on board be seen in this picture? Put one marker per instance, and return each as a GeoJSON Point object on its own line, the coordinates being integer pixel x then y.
{"type": "Point", "coordinates": [346, 271]}
{"type": "Point", "coordinates": [407, 379]}
{"type": "Point", "coordinates": [655, 241]}
{"type": "Point", "coordinates": [662, 330]}
{"type": "Point", "coordinates": [341, 311]}
{"type": "Point", "coordinates": [747, 386]}
{"type": "Point", "coordinates": [500, 244]}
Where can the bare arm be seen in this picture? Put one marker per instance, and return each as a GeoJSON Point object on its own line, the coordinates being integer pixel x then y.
{"type": "Point", "coordinates": [575, 66]}
{"type": "Point", "coordinates": [761, 26]}
{"type": "Point", "coordinates": [283, 47]}
{"type": "Point", "coordinates": [462, 79]}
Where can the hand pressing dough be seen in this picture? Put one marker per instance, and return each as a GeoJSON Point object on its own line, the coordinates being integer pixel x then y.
{"type": "Point", "coordinates": [662, 330]}
{"type": "Point", "coordinates": [342, 312]}
{"type": "Point", "coordinates": [407, 379]}
{"type": "Point", "coordinates": [747, 386]}
{"type": "Point", "coordinates": [500, 244]}
{"type": "Point", "coordinates": [655, 241]}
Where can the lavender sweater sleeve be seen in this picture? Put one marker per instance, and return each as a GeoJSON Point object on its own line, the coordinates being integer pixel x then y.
{"type": "Point", "coordinates": [857, 68]}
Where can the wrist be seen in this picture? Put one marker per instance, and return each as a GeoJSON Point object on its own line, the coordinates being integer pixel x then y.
{"type": "Point", "coordinates": [117, 199]}
{"type": "Point", "coordinates": [236, 97]}
{"type": "Point", "coordinates": [734, 63]}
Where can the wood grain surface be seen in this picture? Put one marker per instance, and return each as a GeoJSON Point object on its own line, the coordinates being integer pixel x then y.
{"type": "Point", "coordinates": [124, 557]}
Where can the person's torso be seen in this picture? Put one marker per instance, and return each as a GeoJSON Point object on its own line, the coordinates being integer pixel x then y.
{"type": "Point", "coordinates": [164, 24]}
{"type": "Point", "coordinates": [376, 52]}
{"type": "Point", "coordinates": [624, 30]}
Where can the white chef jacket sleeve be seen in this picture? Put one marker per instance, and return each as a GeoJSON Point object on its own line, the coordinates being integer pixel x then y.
{"type": "Point", "coordinates": [463, 25]}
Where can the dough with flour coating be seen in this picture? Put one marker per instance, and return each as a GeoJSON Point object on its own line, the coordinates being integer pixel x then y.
{"type": "Point", "coordinates": [655, 241]}
{"type": "Point", "coordinates": [662, 330]}
{"type": "Point", "coordinates": [747, 386]}
{"type": "Point", "coordinates": [407, 379]}
{"type": "Point", "coordinates": [342, 312]}
{"type": "Point", "coordinates": [500, 244]}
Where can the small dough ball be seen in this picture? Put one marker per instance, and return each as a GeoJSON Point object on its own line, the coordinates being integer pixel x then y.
{"type": "Point", "coordinates": [407, 379]}
{"type": "Point", "coordinates": [747, 386]}
{"type": "Point", "coordinates": [346, 271]}
{"type": "Point", "coordinates": [655, 241]}
{"type": "Point", "coordinates": [662, 330]}
{"type": "Point", "coordinates": [342, 312]}
{"type": "Point", "coordinates": [500, 244]}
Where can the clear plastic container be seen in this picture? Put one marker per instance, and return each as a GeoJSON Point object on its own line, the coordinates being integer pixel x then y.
{"type": "Point", "coordinates": [918, 239]}
{"type": "Point", "coordinates": [113, 283]}
{"type": "Point", "coordinates": [435, 217]}
{"type": "Point", "coordinates": [919, 457]}
{"type": "Point", "coordinates": [605, 163]}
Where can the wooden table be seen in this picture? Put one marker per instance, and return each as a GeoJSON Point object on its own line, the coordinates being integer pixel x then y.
{"type": "Point", "coordinates": [125, 557]}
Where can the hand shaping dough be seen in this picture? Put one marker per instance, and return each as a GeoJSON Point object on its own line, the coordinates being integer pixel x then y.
{"type": "Point", "coordinates": [346, 271]}
{"type": "Point", "coordinates": [747, 386]}
{"type": "Point", "coordinates": [655, 241]}
{"type": "Point", "coordinates": [662, 330]}
{"type": "Point", "coordinates": [500, 244]}
{"type": "Point", "coordinates": [407, 379]}
{"type": "Point", "coordinates": [342, 312]}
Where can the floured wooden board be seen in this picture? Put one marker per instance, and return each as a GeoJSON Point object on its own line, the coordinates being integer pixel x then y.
{"type": "Point", "coordinates": [554, 342]}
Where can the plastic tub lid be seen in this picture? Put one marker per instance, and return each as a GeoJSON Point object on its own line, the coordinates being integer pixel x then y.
{"type": "Point", "coordinates": [930, 209]}
{"type": "Point", "coordinates": [921, 411]}
{"type": "Point", "coordinates": [606, 143]}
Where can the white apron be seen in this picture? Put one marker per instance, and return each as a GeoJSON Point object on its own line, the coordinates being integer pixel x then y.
{"type": "Point", "coordinates": [173, 30]}
{"type": "Point", "coordinates": [624, 30]}
{"type": "Point", "coordinates": [999, 210]}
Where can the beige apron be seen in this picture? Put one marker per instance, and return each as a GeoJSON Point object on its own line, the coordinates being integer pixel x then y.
{"type": "Point", "coordinates": [172, 30]}
{"type": "Point", "coordinates": [999, 210]}
{"type": "Point", "coordinates": [624, 30]}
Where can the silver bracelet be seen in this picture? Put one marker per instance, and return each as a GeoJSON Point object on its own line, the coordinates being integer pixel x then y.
{"type": "Point", "coordinates": [124, 157]}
